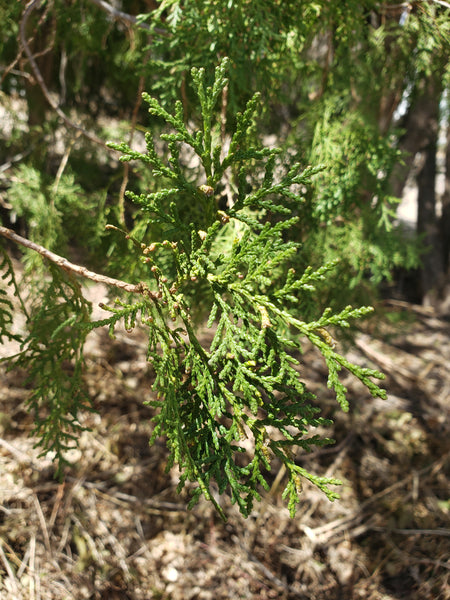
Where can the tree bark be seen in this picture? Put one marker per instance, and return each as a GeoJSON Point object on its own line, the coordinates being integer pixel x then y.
{"type": "Point", "coordinates": [445, 218]}
{"type": "Point", "coordinates": [428, 225]}
{"type": "Point", "coordinates": [420, 124]}
{"type": "Point", "coordinates": [419, 144]}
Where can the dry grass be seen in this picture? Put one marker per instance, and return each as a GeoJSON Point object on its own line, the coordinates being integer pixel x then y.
{"type": "Point", "coordinates": [116, 529]}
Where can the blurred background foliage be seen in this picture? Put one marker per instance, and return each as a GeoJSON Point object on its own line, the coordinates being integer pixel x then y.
{"type": "Point", "coordinates": [342, 84]}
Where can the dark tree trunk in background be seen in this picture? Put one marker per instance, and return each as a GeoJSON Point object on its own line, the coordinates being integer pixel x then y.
{"type": "Point", "coordinates": [40, 39]}
{"type": "Point", "coordinates": [445, 219]}
{"type": "Point", "coordinates": [418, 124]}
{"type": "Point", "coordinates": [428, 225]}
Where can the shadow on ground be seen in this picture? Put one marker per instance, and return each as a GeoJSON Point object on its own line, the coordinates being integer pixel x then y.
{"type": "Point", "coordinates": [117, 529]}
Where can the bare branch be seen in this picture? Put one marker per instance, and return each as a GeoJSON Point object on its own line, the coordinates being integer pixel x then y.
{"type": "Point", "coordinates": [8, 164]}
{"type": "Point", "coordinates": [442, 3]}
{"type": "Point", "coordinates": [28, 10]}
{"type": "Point", "coordinates": [63, 263]}
{"type": "Point", "coordinates": [19, 54]}
{"type": "Point", "coordinates": [119, 15]}
{"type": "Point", "coordinates": [126, 165]}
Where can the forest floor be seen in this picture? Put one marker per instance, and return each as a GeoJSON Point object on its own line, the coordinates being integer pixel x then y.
{"type": "Point", "coordinates": [116, 528]}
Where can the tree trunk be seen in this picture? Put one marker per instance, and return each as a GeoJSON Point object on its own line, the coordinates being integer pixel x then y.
{"type": "Point", "coordinates": [445, 219]}
{"type": "Point", "coordinates": [40, 40]}
{"type": "Point", "coordinates": [421, 125]}
{"type": "Point", "coordinates": [428, 225]}
{"type": "Point", "coordinates": [420, 142]}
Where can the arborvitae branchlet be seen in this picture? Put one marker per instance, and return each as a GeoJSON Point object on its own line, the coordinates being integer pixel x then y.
{"type": "Point", "coordinates": [233, 264]}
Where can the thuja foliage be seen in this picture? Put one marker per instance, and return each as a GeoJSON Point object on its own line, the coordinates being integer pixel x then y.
{"type": "Point", "coordinates": [233, 407]}
{"type": "Point", "coordinates": [51, 354]}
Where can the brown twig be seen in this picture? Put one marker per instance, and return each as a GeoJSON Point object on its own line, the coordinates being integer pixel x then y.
{"type": "Point", "coordinates": [444, 4]}
{"type": "Point", "coordinates": [40, 80]}
{"type": "Point", "coordinates": [126, 169]}
{"type": "Point", "coordinates": [10, 67]}
{"type": "Point", "coordinates": [7, 165]}
{"type": "Point", "coordinates": [118, 15]}
{"type": "Point", "coordinates": [63, 163]}
{"type": "Point", "coordinates": [63, 263]}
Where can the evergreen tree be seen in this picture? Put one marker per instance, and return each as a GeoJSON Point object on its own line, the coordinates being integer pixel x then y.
{"type": "Point", "coordinates": [217, 224]}
{"type": "Point", "coordinates": [245, 385]}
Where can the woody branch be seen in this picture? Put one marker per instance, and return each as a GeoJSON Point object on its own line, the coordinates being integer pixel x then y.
{"type": "Point", "coordinates": [63, 263]}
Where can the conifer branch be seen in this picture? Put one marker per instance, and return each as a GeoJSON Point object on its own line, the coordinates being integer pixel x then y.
{"type": "Point", "coordinates": [233, 266]}
{"type": "Point", "coordinates": [63, 263]}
